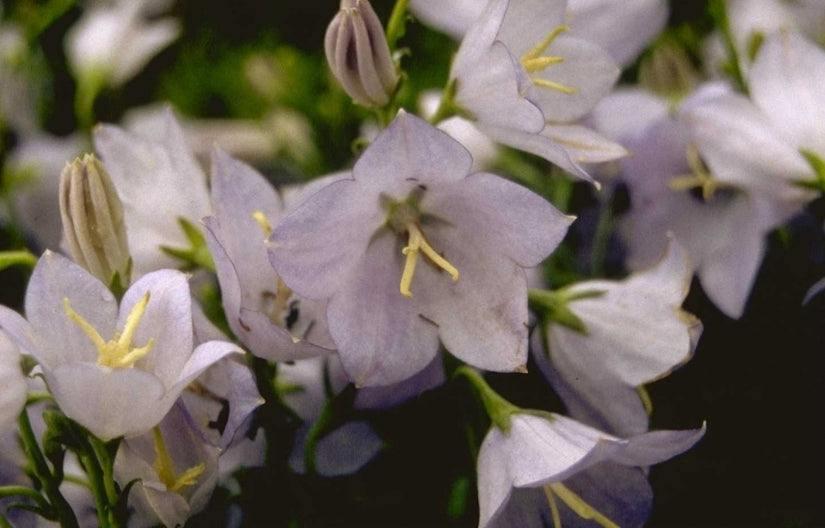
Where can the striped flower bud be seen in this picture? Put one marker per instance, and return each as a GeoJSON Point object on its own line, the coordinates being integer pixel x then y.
{"type": "Point", "coordinates": [358, 54]}
{"type": "Point", "coordinates": [92, 215]}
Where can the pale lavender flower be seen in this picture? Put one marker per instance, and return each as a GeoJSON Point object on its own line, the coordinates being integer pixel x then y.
{"type": "Point", "coordinates": [13, 381]}
{"type": "Point", "coordinates": [525, 83]}
{"type": "Point", "coordinates": [411, 249]}
{"type": "Point", "coordinates": [260, 309]}
{"type": "Point", "coordinates": [634, 333]}
{"type": "Point", "coordinates": [553, 454]}
{"type": "Point", "coordinates": [115, 40]}
{"type": "Point", "coordinates": [136, 360]}
{"type": "Point", "coordinates": [159, 182]}
{"type": "Point", "coordinates": [177, 468]}
{"type": "Point", "coordinates": [622, 27]}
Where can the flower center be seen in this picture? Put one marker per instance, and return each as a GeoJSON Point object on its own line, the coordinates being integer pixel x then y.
{"type": "Point", "coordinates": [699, 180]}
{"type": "Point", "coordinates": [118, 352]}
{"type": "Point", "coordinates": [404, 218]}
{"type": "Point", "coordinates": [418, 244]}
{"type": "Point", "coordinates": [278, 305]}
{"type": "Point", "coordinates": [575, 503]}
{"type": "Point", "coordinates": [535, 61]}
{"type": "Point", "coordinates": [166, 471]}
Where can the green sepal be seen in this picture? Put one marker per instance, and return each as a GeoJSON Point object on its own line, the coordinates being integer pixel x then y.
{"type": "Point", "coordinates": [818, 166]}
{"type": "Point", "coordinates": [121, 507]}
{"type": "Point", "coordinates": [21, 257]}
{"type": "Point", "coordinates": [117, 284]}
{"type": "Point", "coordinates": [46, 513]}
{"type": "Point", "coordinates": [62, 431]}
{"type": "Point", "coordinates": [197, 254]}
{"type": "Point", "coordinates": [554, 306]}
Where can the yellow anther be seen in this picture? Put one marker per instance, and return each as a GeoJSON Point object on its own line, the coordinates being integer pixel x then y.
{"type": "Point", "coordinates": [166, 472]}
{"type": "Point", "coordinates": [118, 351]}
{"type": "Point", "coordinates": [544, 44]}
{"type": "Point", "coordinates": [645, 397]}
{"type": "Point", "coordinates": [415, 244]}
{"type": "Point", "coordinates": [263, 222]}
{"type": "Point", "coordinates": [540, 63]}
{"type": "Point", "coordinates": [544, 83]}
{"type": "Point", "coordinates": [700, 177]}
{"type": "Point", "coordinates": [577, 504]}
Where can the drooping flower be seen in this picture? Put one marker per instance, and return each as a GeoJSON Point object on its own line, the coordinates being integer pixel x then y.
{"type": "Point", "coordinates": [553, 454]}
{"type": "Point", "coordinates": [159, 182]}
{"type": "Point", "coordinates": [135, 360]}
{"type": "Point", "coordinates": [176, 467]}
{"type": "Point", "coordinates": [260, 309]}
{"type": "Point", "coordinates": [524, 82]}
{"type": "Point", "coordinates": [411, 249]}
{"type": "Point", "coordinates": [634, 332]}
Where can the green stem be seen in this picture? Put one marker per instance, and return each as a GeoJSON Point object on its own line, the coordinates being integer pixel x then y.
{"type": "Point", "coordinates": [63, 511]}
{"type": "Point", "coordinates": [719, 13]}
{"type": "Point", "coordinates": [498, 409]}
{"type": "Point", "coordinates": [601, 237]}
{"type": "Point", "coordinates": [314, 436]}
{"type": "Point", "coordinates": [96, 482]}
{"type": "Point", "coordinates": [23, 491]}
{"type": "Point", "coordinates": [107, 465]}
{"type": "Point", "coordinates": [397, 23]}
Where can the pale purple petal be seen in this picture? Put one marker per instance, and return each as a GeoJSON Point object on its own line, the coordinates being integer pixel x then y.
{"type": "Point", "coordinates": [481, 318]}
{"type": "Point", "coordinates": [376, 398]}
{"type": "Point", "coordinates": [347, 449]}
{"type": "Point", "coordinates": [657, 446]}
{"type": "Point", "coordinates": [203, 357]}
{"type": "Point", "coordinates": [167, 320]}
{"type": "Point", "coordinates": [12, 381]}
{"type": "Point", "coordinates": [126, 401]}
{"type": "Point", "coordinates": [622, 27]}
{"type": "Point", "coordinates": [528, 22]}
{"type": "Point", "coordinates": [516, 222]}
{"type": "Point", "coordinates": [381, 337]}
{"type": "Point", "coordinates": [490, 92]}
{"type": "Point", "coordinates": [59, 339]}
{"type": "Point", "coordinates": [18, 329]}
{"type": "Point", "coordinates": [410, 151]}
{"type": "Point", "coordinates": [317, 246]}
{"type": "Point", "coordinates": [786, 82]}
{"type": "Point", "coordinates": [479, 38]}
{"type": "Point", "coordinates": [620, 493]}
{"type": "Point", "coordinates": [586, 68]}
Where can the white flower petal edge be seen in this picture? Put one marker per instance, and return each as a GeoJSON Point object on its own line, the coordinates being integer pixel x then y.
{"type": "Point", "coordinates": [13, 394]}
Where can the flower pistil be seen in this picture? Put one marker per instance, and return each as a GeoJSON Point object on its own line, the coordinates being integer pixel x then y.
{"type": "Point", "coordinates": [418, 244]}
{"type": "Point", "coordinates": [533, 61]}
{"type": "Point", "coordinates": [166, 472]}
{"type": "Point", "coordinates": [118, 351]}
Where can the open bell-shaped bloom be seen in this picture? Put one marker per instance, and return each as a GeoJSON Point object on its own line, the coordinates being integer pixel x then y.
{"type": "Point", "coordinates": [525, 83]}
{"type": "Point", "coordinates": [553, 454]}
{"type": "Point", "coordinates": [412, 249]}
{"type": "Point", "coordinates": [260, 309]}
{"type": "Point", "coordinates": [159, 182]}
{"type": "Point", "coordinates": [135, 359]}
{"type": "Point", "coordinates": [634, 333]}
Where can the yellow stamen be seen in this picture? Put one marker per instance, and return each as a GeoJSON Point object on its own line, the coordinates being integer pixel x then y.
{"type": "Point", "coordinates": [415, 244]}
{"type": "Point", "coordinates": [544, 44]}
{"type": "Point", "coordinates": [699, 177]}
{"type": "Point", "coordinates": [554, 508]}
{"type": "Point", "coordinates": [166, 472]}
{"type": "Point", "coordinates": [645, 397]}
{"type": "Point", "coordinates": [263, 222]}
{"type": "Point", "coordinates": [540, 63]}
{"type": "Point", "coordinates": [544, 83]}
{"type": "Point", "coordinates": [581, 508]}
{"type": "Point", "coordinates": [118, 351]}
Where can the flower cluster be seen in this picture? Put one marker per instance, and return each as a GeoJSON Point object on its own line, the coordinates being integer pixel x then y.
{"type": "Point", "coordinates": [191, 324]}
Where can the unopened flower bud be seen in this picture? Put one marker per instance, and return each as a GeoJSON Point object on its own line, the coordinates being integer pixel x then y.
{"type": "Point", "coordinates": [92, 216]}
{"type": "Point", "coordinates": [358, 54]}
{"type": "Point", "coordinates": [667, 71]}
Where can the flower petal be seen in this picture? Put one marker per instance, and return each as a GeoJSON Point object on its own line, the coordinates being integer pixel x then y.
{"type": "Point", "coordinates": [59, 339]}
{"type": "Point", "coordinates": [381, 337]}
